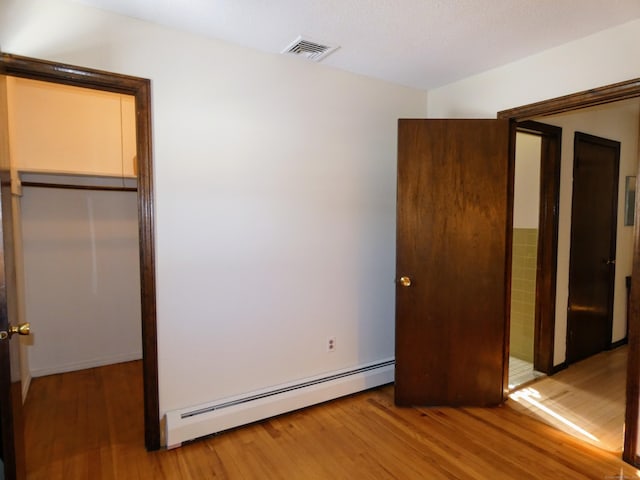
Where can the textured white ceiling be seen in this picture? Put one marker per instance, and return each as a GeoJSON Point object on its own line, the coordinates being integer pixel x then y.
{"type": "Point", "coordinates": [419, 43]}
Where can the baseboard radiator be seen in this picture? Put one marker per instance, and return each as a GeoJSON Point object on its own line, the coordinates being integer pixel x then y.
{"type": "Point", "coordinates": [202, 420]}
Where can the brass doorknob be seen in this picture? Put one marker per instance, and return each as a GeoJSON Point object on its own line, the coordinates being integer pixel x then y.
{"type": "Point", "coordinates": [405, 281]}
{"type": "Point", "coordinates": [22, 329]}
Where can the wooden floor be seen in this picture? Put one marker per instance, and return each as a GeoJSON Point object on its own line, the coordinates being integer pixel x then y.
{"type": "Point", "coordinates": [587, 400]}
{"type": "Point", "coordinates": [88, 425]}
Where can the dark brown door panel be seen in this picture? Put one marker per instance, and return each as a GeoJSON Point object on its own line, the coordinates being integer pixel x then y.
{"type": "Point", "coordinates": [453, 242]}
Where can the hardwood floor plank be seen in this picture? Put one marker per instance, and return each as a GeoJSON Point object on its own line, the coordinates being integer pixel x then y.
{"type": "Point", "coordinates": [420, 443]}
{"type": "Point", "coordinates": [589, 394]}
{"type": "Point", "coordinates": [88, 424]}
{"type": "Point", "coordinates": [399, 459]}
{"type": "Point", "coordinates": [501, 457]}
{"type": "Point", "coordinates": [549, 444]}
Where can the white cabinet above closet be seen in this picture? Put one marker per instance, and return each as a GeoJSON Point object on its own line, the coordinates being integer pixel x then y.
{"type": "Point", "coordinates": [57, 128]}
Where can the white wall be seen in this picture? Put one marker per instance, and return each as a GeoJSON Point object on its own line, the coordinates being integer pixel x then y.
{"type": "Point", "coordinates": [82, 280]}
{"type": "Point", "coordinates": [275, 199]}
{"type": "Point", "coordinates": [607, 57]}
{"type": "Point", "coordinates": [526, 184]}
{"type": "Point", "coordinates": [616, 122]}
{"type": "Point", "coordinates": [70, 130]}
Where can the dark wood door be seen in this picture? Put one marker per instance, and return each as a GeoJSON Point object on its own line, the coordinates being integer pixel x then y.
{"type": "Point", "coordinates": [11, 421]}
{"type": "Point", "coordinates": [454, 226]}
{"type": "Point", "coordinates": [593, 245]}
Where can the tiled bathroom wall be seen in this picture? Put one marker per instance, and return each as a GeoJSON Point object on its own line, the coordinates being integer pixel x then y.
{"type": "Point", "coordinates": [523, 292]}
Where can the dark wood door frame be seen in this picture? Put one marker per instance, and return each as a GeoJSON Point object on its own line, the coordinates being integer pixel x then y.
{"type": "Point", "coordinates": [140, 88]}
{"type": "Point", "coordinates": [589, 98]}
{"type": "Point", "coordinates": [547, 259]}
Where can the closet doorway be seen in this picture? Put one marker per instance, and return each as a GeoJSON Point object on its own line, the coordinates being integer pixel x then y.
{"type": "Point", "coordinates": [72, 151]}
{"type": "Point", "coordinates": [16, 66]}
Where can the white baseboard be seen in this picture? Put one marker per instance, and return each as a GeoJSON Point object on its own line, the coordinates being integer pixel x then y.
{"type": "Point", "coordinates": [198, 421]}
{"type": "Point", "coordinates": [84, 364]}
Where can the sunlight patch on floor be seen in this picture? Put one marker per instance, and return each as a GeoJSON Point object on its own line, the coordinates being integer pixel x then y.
{"type": "Point", "coordinates": [533, 398]}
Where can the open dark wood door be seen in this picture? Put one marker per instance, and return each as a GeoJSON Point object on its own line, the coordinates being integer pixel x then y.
{"type": "Point", "coordinates": [11, 422]}
{"type": "Point", "coordinates": [453, 261]}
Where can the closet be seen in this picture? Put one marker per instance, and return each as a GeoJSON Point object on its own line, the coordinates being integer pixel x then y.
{"type": "Point", "coordinates": [72, 154]}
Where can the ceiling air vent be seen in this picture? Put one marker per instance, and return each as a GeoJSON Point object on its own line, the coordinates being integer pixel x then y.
{"type": "Point", "coordinates": [304, 47]}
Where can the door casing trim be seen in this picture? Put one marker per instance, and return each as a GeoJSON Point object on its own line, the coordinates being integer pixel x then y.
{"type": "Point", "coordinates": [547, 254]}
{"type": "Point", "coordinates": [140, 88]}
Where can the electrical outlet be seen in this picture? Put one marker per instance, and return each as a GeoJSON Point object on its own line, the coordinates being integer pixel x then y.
{"type": "Point", "coordinates": [331, 344]}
